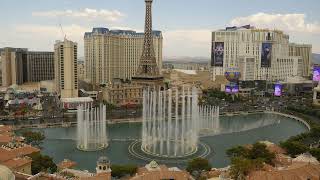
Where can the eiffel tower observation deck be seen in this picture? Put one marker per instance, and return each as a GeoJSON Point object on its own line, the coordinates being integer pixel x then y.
{"type": "Point", "coordinates": [148, 72]}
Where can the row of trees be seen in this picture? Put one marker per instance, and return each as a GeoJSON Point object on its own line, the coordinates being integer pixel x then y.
{"type": "Point", "coordinates": [243, 161]}
{"type": "Point", "coordinates": [305, 110]}
{"type": "Point", "coordinates": [302, 143]}
{"type": "Point", "coordinates": [212, 96]}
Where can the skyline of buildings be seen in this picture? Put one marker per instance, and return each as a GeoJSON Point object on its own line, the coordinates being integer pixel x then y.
{"type": "Point", "coordinates": [114, 54]}
{"type": "Point", "coordinates": [257, 84]}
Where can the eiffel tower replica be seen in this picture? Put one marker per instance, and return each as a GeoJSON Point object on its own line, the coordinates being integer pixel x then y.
{"type": "Point", "coordinates": [148, 73]}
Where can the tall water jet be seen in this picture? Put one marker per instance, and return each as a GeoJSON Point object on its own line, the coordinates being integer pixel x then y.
{"type": "Point", "coordinates": [170, 122]}
{"type": "Point", "coordinates": [91, 128]}
{"type": "Point", "coordinates": [209, 119]}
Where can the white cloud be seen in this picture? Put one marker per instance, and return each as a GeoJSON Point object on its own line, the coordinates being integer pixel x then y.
{"type": "Point", "coordinates": [285, 22]}
{"type": "Point", "coordinates": [194, 42]}
{"type": "Point", "coordinates": [84, 14]}
{"type": "Point", "coordinates": [42, 37]}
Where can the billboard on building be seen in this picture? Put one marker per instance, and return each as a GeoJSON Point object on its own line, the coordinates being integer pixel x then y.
{"type": "Point", "coordinates": [277, 89]}
{"type": "Point", "coordinates": [217, 53]}
{"type": "Point", "coordinates": [316, 73]}
{"type": "Point", "coordinates": [266, 52]}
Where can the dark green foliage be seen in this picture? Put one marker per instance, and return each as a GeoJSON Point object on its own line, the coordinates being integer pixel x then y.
{"type": "Point", "coordinates": [198, 164]}
{"type": "Point", "coordinates": [33, 138]}
{"type": "Point", "coordinates": [244, 160]}
{"type": "Point", "coordinates": [305, 110]}
{"type": "Point", "coordinates": [123, 170]}
{"type": "Point", "coordinates": [294, 148]}
{"type": "Point", "coordinates": [237, 151]}
{"type": "Point", "coordinates": [240, 166]}
{"type": "Point", "coordinates": [299, 144]}
{"type": "Point", "coordinates": [42, 163]}
{"type": "Point", "coordinates": [214, 96]}
{"type": "Point", "coordinates": [260, 151]}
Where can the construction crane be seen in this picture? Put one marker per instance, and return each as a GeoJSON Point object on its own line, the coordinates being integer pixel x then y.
{"type": "Point", "coordinates": [63, 34]}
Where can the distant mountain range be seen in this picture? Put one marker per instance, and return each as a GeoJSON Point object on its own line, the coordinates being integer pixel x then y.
{"type": "Point", "coordinates": [316, 58]}
{"type": "Point", "coordinates": [187, 59]}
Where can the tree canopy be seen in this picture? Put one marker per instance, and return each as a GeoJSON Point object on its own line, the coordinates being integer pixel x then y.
{"type": "Point", "coordinates": [42, 163]}
{"type": "Point", "coordinates": [246, 159]}
{"type": "Point", "coordinates": [33, 138]}
{"type": "Point", "coordinates": [197, 165]}
{"type": "Point", "coordinates": [123, 170]}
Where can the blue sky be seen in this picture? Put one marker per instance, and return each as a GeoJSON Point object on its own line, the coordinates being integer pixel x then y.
{"type": "Point", "coordinates": [186, 24]}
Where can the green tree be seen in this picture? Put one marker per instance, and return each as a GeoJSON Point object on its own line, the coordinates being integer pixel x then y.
{"type": "Point", "coordinates": [42, 163]}
{"type": "Point", "coordinates": [257, 151]}
{"type": "Point", "coordinates": [123, 170]}
{"type": "Point", "coordinates": [260, 151]}
{"type": "Point", "coordinates": [33, 138]}
{"type": "Point", "coordinates": [294, 148]}
{"type": "Point", "coordinates": [241, 167]}
{"type": "Point", "coordinates": [197, 165]}
{"type": "Point", "coordinates": [237, 151]}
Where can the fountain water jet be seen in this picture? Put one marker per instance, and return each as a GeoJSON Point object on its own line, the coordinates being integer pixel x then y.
{"type": "Point", "coordinates": [209, 119]}
{"type": "Point", "coordinates": [91, 128]}
{"type": "Point", "coordinates": [170, 127]}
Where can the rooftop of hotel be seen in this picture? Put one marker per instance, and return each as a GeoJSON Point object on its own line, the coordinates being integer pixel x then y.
{"type": "Point", "coordinates": [102, 30]}
{"type": "Point", "coordinates": [155, 171]}
{"type": "Point", "coordinates": [14, 150]}
{"type": "Point", "coordinates": [4, 128]}
{"type": "Point", "coordinates": [78, 99]}
{"type": "Point", "coordinates": [249, 28]}
{"type": "Point", "coordinates": [4, 139]}
{"type": "Point", "coordinates": [16, 162]}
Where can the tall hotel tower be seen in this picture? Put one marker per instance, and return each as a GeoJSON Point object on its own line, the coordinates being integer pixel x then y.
{"type": "Point", "coordinates": [66, 76]}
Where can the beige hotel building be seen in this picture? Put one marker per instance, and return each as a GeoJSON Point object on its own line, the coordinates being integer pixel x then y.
{"type": "Point", "coordinates": [66, 70]}
{"type": "Point", "coordinates": [115, 54]}
{"type": "Point", "coordinates": [21, 66]}
{"type": "Point", "coordinates": [241, 48]}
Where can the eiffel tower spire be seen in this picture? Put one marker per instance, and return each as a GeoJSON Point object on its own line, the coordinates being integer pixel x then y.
{"type": "Point", "coordinates": [148, 68]}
